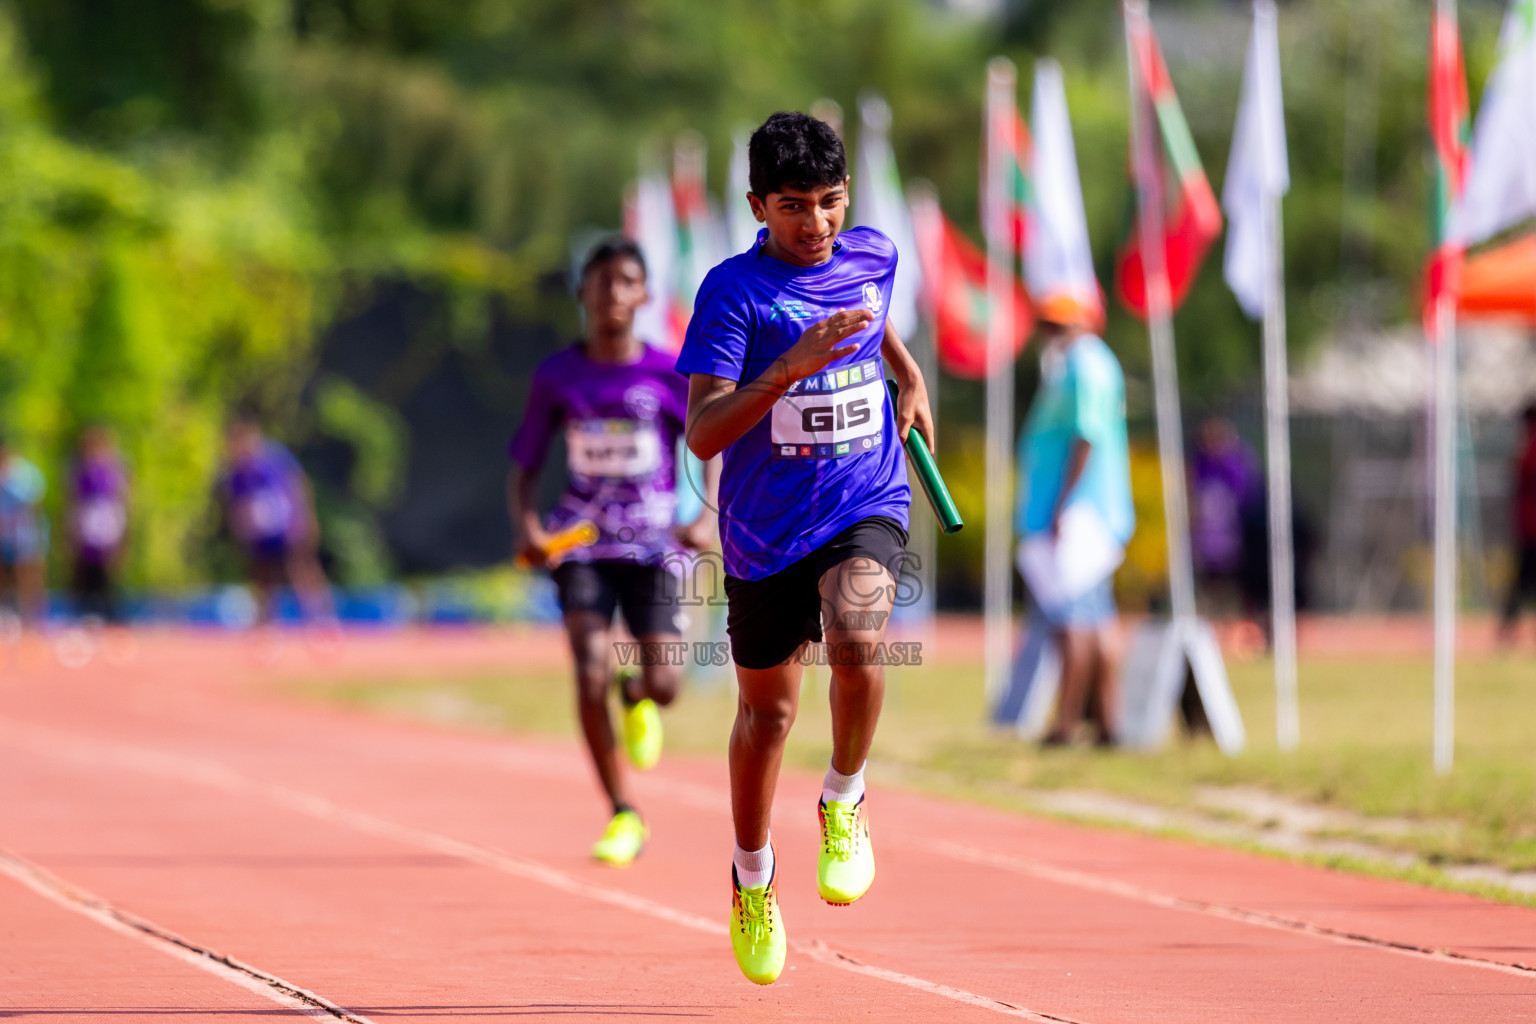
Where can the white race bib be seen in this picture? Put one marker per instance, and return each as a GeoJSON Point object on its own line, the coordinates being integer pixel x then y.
{"type": "Point", "coordinates": [621, 449]}
{"type": "Point", "coordinates": [832, 414]}
{"type": "Point", "coordinates": [100, 522]}
{"type": "Point", "coordinates": [268, 512]}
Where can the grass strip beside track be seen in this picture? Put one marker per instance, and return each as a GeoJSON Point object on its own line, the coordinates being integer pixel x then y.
{"type": "Point", "coordinates": [1365, 744]}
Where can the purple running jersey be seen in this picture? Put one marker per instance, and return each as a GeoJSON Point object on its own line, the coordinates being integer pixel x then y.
{"type": "Point", "coordinates": [621, 423]}
{"type": "Point", "coordinates": [828, 454]}
{"type": "Point", "coordinates": [265, 495]}
{"type": "Point", "coordinates": [98, 507]}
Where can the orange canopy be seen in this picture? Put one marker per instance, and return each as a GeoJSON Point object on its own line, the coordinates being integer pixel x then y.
{"type": "Point", "coordinates": [1501, 283]}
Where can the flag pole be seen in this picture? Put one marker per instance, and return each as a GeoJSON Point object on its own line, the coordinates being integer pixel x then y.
{"type": "Point", "coordinates": [1277, 438]}
{"type": "Point", "coordinates": [998, 588]}
{"type": "Point", "coordinates": [1165, 382]}
{"type": "Point", "coordinates": [1445, 513]}
{"type": "Point", "coordinates": [923, 202]}
{"type": "Point", "coordinates": [1445, 537]}
{"type": "Point", "coordinates": [1277, 422]}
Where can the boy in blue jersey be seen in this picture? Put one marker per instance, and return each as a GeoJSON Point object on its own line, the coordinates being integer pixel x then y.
{"type": "Point", "coordinates": [786, 353]}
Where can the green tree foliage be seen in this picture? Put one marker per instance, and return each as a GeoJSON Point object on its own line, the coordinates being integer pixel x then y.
{"type": "Point", "coordinates": [192, 190]}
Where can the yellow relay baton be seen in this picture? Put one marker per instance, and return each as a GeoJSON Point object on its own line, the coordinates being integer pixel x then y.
{"type": "Point", "coordinates": [582, 534]}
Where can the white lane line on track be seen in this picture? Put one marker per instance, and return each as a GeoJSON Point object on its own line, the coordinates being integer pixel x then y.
{"type": "Point", "coordinates": [227, 968]}
{"type": "Point", "coordinates": [703, 797]}
{"type": "Point", "coordinates": [1257, 918]}
{"type": "Point", "coordinates": [215, 776]}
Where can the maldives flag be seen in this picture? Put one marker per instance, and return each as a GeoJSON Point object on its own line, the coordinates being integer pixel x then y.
{"type": "Point", "coordinates": [1010, 133]}
{"type": "Point", "coordinates": [955, 292]}
{"type": "Point", "coordinates": [1191, 218]}
{"type": "Point", "coordinates": [1021, 191]}
{"type": "Point", "coordinates": [1449, 130]}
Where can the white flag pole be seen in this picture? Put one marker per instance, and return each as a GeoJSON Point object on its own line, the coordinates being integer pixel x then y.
{"type": "Point", "coordinates": [1445, 514]}
{"type": "Point", "coordinates": [1277, 416]}
{"type": "Point", "coordinates": [1165, 381]}
{"type": "Point", "coordinates": [1282, 560]}
{"type": "Point", "coordinates": [923, 202]}
{"type": "Point", "coordinates": [1445, 537]}
{"type": "Point", "coordinates": [1001, 92]}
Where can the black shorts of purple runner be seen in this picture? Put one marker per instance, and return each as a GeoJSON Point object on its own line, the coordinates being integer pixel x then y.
{"type": "Point", "coordinates": [647, 594]}
{"type": "Point", "coordinates": [768, 619]}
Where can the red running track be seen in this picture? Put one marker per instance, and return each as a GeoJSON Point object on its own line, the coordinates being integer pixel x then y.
{"type": "Point", "coordinates": [343, 867]}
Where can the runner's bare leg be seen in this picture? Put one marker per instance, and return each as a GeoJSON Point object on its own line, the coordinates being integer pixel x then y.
{"type": "Point", "coordinates": [765, 709]}
{"type": "Point", "coordinates": [856, 598]}
{"type": "Point", "coordinates": [589, 639]}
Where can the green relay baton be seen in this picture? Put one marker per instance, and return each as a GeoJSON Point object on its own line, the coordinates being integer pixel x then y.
{"type": "Point", "coordinates": [928, 474]}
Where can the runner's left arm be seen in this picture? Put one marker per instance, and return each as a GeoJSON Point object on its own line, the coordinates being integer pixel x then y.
{"type": "Point", "coordinates": [912, 408]}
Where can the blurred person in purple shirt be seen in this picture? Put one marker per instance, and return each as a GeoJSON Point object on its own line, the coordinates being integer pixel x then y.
{"type": "Point", "coordinates": [270, 511]}
{"type": "Point", "coordinates": [620, 407]}
{"type": "Point", "coordinates": [1226, 489]}
{"type": "Point", "coordinates": [98, 523]}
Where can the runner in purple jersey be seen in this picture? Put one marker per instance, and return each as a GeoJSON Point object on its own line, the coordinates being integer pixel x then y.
{"type": "Point", "coordinates": [787, 352]}
{"type": "Point", "coordinates": [621, 407]}
{"type": "Point", "coordinates": [98, 523]}
{"type": "Point", "coordinates": [270, 512]}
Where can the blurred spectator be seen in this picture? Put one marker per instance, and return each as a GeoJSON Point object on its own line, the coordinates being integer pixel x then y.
{"type": "Point", "coordinates": [1075, 513]}
{"type": "Point", "coordinates": [23, 533]}
{"type": "Point", "coordinates": [1523, 522]}
{"type": "Point", "coordinates": [270, 511]}
{"type": "Point", "coordinates": [98, 520]}
{"type": "Point", "coordinates": [1226, 514]}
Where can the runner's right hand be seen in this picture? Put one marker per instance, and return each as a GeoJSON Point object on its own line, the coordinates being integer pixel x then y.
{"type": "Point", "coordinates": [819, 345]}
{"type": "Point", "coordinates": [531, 550]}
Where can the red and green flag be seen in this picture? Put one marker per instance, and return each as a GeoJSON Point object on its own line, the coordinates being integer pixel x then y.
{"type": "Point", "coordinates": [1018, 189]}
{"type": "Point", "coordinates": [1449, 131]}
{"type": "Point", "coordinates": [955, 283]}
{"type": "Point", "coordinates": [1021, 192]}
{"type": "Point", "coordinates": [1191, 216]}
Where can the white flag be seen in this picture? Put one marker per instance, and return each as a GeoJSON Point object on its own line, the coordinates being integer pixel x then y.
{"type": "Point", "coordinates": [1057, 254]}
{"type": "Point", "coordinates": [701, 233]}
{"type": "Point", "coordinates": [743, 226]}
{"type": "Point", "coordinates": [652, 223]}
{"type": "Point", "coordinates": [1257, 171]}
{"type": "Point", "coordinates": [1500, 190]}
{"type": "Point", "coordinates": [879, 202]}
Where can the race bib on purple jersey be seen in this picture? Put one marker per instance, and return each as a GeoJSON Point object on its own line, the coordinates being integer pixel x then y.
{"type": "Point", "coordinates": [831, 415]}
{"type": "Point", "coordinates": [100, 523]}
{"type": "Point", "coordinates": [622, 424]}
{"type": "Point", "coordinates": [613, 448]}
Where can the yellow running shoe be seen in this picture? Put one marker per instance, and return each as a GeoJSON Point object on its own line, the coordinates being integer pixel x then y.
{"type": "Point", "coordinates": [642, 733]}
{"type": "Point", "coordinates": [845, 868]}
{"type": "Point", "coordinates": [622, 839]}
{"type": "Point", "coordinates": [757, 930]}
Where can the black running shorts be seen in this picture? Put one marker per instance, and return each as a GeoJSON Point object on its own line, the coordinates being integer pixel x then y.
{"type": "Point", "coordinates": [647, 594]}
{"type": "Point", "coordinates": [768, 619]}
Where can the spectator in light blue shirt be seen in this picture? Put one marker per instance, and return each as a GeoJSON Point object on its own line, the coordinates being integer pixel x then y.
{"type": "Point", "coordinates": [1075, 513]}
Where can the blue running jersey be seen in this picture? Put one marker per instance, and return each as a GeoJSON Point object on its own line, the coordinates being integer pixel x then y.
{"type": "Point", "coordinates": [828, 454]}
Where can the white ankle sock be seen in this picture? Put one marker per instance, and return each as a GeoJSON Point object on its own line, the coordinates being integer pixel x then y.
{"type": "Point", "coordinates": [843, 788]}
{"type": "Point", "coordinates": [754, 868]}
